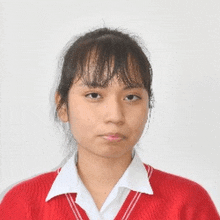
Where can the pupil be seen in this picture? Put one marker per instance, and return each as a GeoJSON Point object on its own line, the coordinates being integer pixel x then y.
{"type": "Point", "coordinates": [130, 96]}
{"type": "Point", "coordinates": [94, 95]}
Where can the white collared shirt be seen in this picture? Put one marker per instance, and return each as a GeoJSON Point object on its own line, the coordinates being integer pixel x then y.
{"type": "Point", "coordinates": [68, 181]}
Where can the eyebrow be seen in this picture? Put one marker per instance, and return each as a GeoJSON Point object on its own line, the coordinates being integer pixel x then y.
{"type": "Point", "coordinates": [127, 87]}
{"type": "Point", "coordinates": [135, 86]}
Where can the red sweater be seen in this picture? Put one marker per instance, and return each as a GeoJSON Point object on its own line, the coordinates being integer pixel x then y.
{"type": "Point", "coordinates": [174, 198]}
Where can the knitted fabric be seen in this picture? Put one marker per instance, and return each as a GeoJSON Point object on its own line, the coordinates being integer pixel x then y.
{"type": "Point", "coordinates": [174, 198]}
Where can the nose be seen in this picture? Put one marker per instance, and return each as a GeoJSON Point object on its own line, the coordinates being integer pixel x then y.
{"type": "Point", "coordinates": [114, 111]}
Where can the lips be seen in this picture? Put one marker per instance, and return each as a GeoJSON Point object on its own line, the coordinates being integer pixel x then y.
{"type": "Point", "coordinates": [113, 136]}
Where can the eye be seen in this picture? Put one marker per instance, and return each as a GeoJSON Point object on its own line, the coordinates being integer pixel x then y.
{"type": "Point", "coordinates": [93, 95]}
{"type": "Point", "coordinates": [132, 98]}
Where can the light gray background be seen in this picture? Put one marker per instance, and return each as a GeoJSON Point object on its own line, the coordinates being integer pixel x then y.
{"type": "Point", "coordinates": [183, 40]}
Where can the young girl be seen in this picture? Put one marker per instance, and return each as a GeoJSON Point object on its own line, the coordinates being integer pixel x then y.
{"type": "Point", "coordinates": [105, 95]}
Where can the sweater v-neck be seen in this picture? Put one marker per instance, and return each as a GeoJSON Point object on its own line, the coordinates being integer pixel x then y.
{"type": "Point", "coordinates": [68, 182]}
{"type": "Point", "coordinates": [125, 210]}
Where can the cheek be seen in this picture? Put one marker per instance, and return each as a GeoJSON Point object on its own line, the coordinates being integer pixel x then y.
{"type": "Point", "coordinates": [81, 119]}
{"type": "Point", "coordinates": [139, 121]}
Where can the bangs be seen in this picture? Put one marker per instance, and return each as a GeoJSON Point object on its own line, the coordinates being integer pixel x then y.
{"type": "Point", "coordinates": [108, 57]}
{"type": "Point", "coordinates": [101, 55]}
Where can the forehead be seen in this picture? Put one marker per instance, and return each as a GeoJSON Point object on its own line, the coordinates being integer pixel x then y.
{"type": "Point", "coordinates": [113, 83]}
{"type": "Point", "coordinates": [98, 71]}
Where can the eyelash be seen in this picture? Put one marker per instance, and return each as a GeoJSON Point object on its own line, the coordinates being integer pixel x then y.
{"type": "Point", "coordinates": [138, 98]}
{"type": "Point", "coordinates": [91, 94]}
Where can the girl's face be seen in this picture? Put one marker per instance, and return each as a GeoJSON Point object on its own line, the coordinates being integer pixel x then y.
{"type": "Point", "coordinates": [109, 121]}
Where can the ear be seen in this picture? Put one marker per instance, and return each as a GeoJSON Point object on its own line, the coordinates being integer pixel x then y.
{"type": "Point", "coordinates": [62, 112]}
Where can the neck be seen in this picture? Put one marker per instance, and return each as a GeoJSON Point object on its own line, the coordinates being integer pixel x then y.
{"type": "Point", "coordinates": [95, 170]}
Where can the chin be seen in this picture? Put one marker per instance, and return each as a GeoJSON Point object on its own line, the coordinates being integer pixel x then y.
{"type": "Point", "coordinates": [116, 153]}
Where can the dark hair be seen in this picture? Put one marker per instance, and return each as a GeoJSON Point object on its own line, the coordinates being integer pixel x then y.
{"type": "Point", "coordinates": [112, 50]}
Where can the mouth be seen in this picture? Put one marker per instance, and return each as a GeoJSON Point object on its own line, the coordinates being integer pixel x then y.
{"type": "Point", "coordinates": [113, 137]}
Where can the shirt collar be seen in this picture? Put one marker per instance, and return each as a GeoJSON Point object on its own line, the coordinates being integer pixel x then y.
{"type": "Point", "coordinates": [136, 177]}
{"type": "Point", "coordinates": [68, 181]}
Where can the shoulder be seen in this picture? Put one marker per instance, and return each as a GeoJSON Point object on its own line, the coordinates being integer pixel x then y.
{"type": "Point", "coordinates": [182, 194]}
{"type": "Point", "coordinates": [33, 186]}
{"type": "Point", "coordinates": [27, 195]}
{"type": "Point", "coordinates": [163, 182]}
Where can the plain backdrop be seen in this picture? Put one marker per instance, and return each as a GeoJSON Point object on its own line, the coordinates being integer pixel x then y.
{"type": "Point", "coordinates": [183, 38]}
